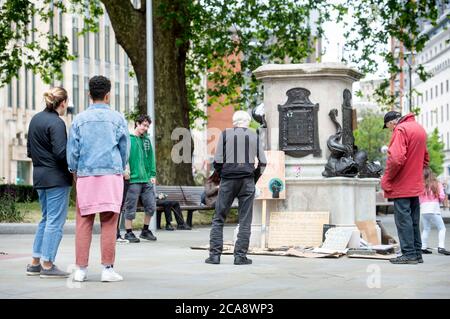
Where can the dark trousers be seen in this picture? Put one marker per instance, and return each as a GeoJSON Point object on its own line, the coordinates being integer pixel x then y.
{"type": "Point", "coordinates": [121, 220]}
{"type": "Point", "coordinates": [407, 220]}
{"type": "Point", "coordinates": [244, 190]}
{"type": "Point", "coordinates": [169, 206]}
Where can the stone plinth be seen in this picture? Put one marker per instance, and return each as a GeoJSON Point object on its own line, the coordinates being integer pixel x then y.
{"type": "Point", "coordinates": [347, 199]}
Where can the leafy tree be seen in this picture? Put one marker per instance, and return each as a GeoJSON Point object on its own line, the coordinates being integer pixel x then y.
{"type": "Point", "coordinates": [226, 39]}
{"type": "Point", "coordinates": [370, 135]}
{"type": "Point", "coordinates": [436, 151]}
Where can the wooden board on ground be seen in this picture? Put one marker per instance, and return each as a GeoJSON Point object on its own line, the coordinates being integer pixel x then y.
{"type": "Point", "coordinates": [294, 229]}
{"type": "Point", "coordinates": [376, 256]}
{"type": "Point", "coordinates": [368, 231]}
{"type": "Point", "coordinates": [273, 176]}
{"type": "Point", "coordinates": [291, 252]}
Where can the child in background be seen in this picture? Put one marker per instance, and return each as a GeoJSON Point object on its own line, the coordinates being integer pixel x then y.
{"type": "Point", "coordinates": [430, 210]}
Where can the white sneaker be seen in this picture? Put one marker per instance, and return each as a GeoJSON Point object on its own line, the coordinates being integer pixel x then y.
{"type": "Point", "coordinates": [80, 275]}
{"type": "Point", "coordinates": [109, 275]}
{"type": "Point", "coordinates": [120, 240]}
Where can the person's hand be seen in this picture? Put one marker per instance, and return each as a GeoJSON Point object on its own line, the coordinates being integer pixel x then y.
{"type": "Point", "coordinates": [153, 180]}
{"type": "Point", "coordinates": [126, 175]}
{"type": "Point", "coordinates": [74, 175]}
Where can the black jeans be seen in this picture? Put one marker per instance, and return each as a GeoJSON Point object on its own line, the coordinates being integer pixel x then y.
{"type": "Point", "coordinates": [169, 206]}
{"type": "Point", "coordinates": [407, 220]}
{"type": "Point", "coordinates": [244, 190]}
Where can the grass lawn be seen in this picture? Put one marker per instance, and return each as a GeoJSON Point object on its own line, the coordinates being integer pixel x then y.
{"type": "Point", "coordinates": [32, 213]}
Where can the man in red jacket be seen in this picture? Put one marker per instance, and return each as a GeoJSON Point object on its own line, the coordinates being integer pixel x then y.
{"type": "Point", "coordinates": [403, 181]}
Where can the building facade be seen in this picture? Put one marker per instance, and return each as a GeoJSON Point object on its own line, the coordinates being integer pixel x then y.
{"type": "Point", "coordinates": [433, 96]}
{"type": "Point", "coordinates": [97, 54]}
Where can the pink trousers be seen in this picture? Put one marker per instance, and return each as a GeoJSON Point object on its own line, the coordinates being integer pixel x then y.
{"type": "Point", "coordinates": [83, 237]}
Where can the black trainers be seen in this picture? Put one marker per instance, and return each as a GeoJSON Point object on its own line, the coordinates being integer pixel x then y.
{"type": "Point", "coordinates": [147, 234]}
{"type": "Point", "coordinates": [169, 227]}
{"type": "Point", "coordinates": [426, 251]}
{"type": "Point", "coordinates": [183, 227]}
{"type": "Point", "coordinates": [213, 259]}
{"type": "Point", "coordinates": [404, 260]}
{"type": "Point", "coordinates": [420, 260]}
{"type": "Point", "coordinates": [443, 251]}
{"type": "Point", "coordinates": [53, 272]}
{"type": "Point", "coordinates": [34, 270]}
{"type": "Point", "coordinates": [131, 238]}
{"type": "Point", "coordinates": [242, 260]}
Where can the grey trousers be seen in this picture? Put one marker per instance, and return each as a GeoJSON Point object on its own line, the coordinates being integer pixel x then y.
{"type": "Point", "coordinates": [244, 190]}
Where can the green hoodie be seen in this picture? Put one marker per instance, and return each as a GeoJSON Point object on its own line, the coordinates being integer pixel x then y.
{"type": "Point", "coordinates": [142, 159]}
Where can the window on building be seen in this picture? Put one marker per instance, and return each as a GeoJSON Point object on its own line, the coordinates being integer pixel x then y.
{"type": "Point", "coordinates": [426, 95]}
{"type": "Point", "coordinates": [436, 91]}
{"type": "Point", "coordinates": [448, 140]}
{"type": "Point", "coordinates": [76, 93]}
{"type": "Point", "coordinates": [116, 53]}
{"type": "Point", "coordinates": [86, 44]}
{"type": "Point", "coordinates": [17, 92]}
{"type": "Point", "coordinates": [136, 96]}
{"type": "Point", "coordinates": [26, 88]}
{"type": "Point", "coordinates": [23, 173]}
{"type": "Point", "coordinates": [431, 118]}
{"type": "Point", "coordinates": [10, 95]}
{"type": "Point", "coordinates": [97, 45]}
{"type": "Point", "coordinates": [107, 53]}
{"type": "Point", "coordinates": [117, 96]}
{"type": "Point", "coordinates": [60, 20]}
{"type": "Point", "coordinates": [446, 84]}
{"type": "Point", "coordinates": [431, 93]}
{"type": "Point", "coordinates": [127, 97]}
{"type": "Point", "coordinates": [86, 92]}
{"type": "Point", "coordinates": [442, 88]}
{"type": "Point", "coordinates": [447, 113]}
{"type": "Point", "coordinates": [75, 36]}
{"type": "Point", "coordinates": [442, 114]}
{"type": "Point", "coordinates": [33, 91]}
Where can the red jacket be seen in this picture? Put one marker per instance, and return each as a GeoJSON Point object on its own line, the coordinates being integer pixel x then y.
{"type": "Point", "coordinates": [407, 156]}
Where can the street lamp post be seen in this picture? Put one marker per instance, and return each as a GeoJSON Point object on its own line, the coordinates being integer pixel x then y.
{"type": "Point", "coordinates": [409, 54]}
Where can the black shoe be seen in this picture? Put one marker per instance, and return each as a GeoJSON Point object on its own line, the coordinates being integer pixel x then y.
{"type": "Point", "coordinates": [242, 260]}
{"type": "Point", "coordinates": [404, 260]}
{"type": "Point", "coordinates": [131, 238]}
{"type": "Point", "coordinates": [183, 227]}
{"type": "Point", "coordinates": [34, 270]}
{"type": "Point", "coordinates": [213, 259]}
{"type": "Point", "coordinates": [443, 251]}
{"type": "Point", "coordinates": [147, 234]}
{"type": "Point", "coordinates": [426, 251]}
{"type": "Point", "coordinates": [420, 260]}
{"type": "Point", "coordinates": [169, 227]}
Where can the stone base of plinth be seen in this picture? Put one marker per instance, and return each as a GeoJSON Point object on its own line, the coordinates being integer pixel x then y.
{"type": "Point", "coordinates": [346, 199]}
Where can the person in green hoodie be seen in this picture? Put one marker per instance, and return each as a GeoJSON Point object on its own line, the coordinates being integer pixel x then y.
{"type": "Point", "coordinates": [142, 178]}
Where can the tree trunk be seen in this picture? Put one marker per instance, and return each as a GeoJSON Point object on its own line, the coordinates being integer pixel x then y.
{"type": "Point", "coordinates": [171, 105]}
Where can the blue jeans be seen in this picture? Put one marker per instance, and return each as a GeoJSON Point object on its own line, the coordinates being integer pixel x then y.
{"type": "Point", "coordinates": [407, 220]}
{"type": "Point", "coordinates": [54, 204]}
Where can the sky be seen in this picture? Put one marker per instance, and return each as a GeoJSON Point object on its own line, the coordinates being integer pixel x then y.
{"type": "Point", "coordinates": [334, 41]}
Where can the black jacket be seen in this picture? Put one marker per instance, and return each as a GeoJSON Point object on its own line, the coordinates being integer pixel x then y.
{"type": "Point", "coordinates": [46, 146]}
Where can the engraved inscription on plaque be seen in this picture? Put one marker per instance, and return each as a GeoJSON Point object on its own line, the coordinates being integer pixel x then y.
{"type": "Point", "coordinates": [299, 135]}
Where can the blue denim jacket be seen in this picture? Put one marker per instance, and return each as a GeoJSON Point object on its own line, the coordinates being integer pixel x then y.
{"type": "Point", "coordinates": [99, 142]}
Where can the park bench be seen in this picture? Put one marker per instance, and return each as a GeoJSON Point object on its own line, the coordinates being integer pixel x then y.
{"type": "Point", "coordinates": [189, 198]}
{"type": "Point", "coordinates": [380, 201]}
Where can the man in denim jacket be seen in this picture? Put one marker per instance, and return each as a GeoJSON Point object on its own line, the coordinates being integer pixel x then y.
{"type": "Point", "coordinates": [97, 153]}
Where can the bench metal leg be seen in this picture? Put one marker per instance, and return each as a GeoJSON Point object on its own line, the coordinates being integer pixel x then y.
{"type": "Point", "coordinates": [189, 218]}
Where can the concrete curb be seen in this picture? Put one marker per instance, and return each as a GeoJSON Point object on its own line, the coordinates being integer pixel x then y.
{"type": "Point", "coordinates": [30, 228]}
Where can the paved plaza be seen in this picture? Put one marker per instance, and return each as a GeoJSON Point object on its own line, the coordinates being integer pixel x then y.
{"type": "Point", "coordinates": [169, 269]}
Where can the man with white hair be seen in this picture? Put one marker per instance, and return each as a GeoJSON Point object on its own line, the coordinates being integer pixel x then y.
{"type": "Point", "coordinates": [234, 160]}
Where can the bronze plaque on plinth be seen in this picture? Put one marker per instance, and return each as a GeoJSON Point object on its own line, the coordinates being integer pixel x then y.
{"type": "Point", "coordinates": [299, 133]}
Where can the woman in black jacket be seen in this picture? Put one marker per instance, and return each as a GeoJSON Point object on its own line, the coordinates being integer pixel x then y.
{"type": "Point", "coordinates": [46, 146]}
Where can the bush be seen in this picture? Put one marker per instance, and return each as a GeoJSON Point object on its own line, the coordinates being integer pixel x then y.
{"type": "Point", "coordinates": [8, 210]}
{"type": "Point", "coordinates": [20, 193]}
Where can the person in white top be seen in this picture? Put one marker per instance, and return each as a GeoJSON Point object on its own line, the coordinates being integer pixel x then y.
{"type": "Point", "coordinates": [430, 210]}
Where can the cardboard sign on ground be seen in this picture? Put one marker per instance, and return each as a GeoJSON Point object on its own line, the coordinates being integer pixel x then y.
{"type": "Point", "coordinates": [273, 176]}
{"type": "Point", "coordinates": [336, 240]}
{"type": "Point", "coordinates": [368, 231]}
{"type": "Point", "coordinates": [296, 229]}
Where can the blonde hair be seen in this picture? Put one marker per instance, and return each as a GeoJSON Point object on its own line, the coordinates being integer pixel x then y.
{"type": "Point", "coordinates": [54, 96]}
